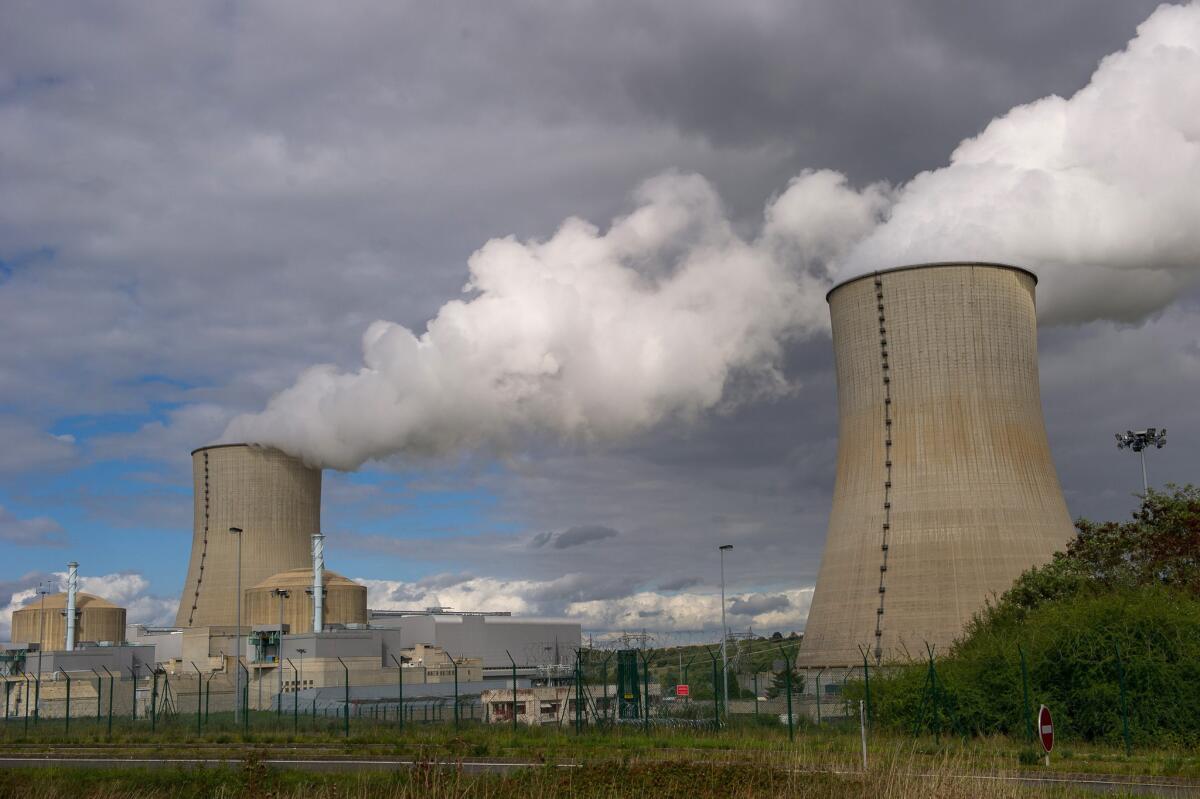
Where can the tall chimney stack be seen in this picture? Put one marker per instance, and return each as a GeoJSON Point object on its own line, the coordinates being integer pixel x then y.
{"type": "Point", "coordinates": [72, 589]}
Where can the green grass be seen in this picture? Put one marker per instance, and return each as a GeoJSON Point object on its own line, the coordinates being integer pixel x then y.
{"type": "Point", "coordinates": [746, 741]}
{"type": "Point", "coordinates": [696, 779]}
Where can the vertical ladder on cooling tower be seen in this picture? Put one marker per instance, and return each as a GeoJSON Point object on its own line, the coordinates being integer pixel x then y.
{"type": "Point", "coordinates": [885, 533]}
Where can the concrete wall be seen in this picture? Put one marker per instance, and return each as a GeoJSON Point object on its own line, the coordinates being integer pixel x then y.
{"type": "Point", "coordinates": [275, 498]}
{"type": "Point", "coordinates": [945, 488]}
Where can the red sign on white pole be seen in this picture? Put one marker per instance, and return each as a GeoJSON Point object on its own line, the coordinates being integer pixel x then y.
{"type": "Point", "coordinates": [681, 690]}
{"type": "Point", "coordinates": [1045, 728]}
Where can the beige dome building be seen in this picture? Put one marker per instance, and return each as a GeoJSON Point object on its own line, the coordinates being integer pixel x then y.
{"type": "Point", "coordinates": [98, 620]}
{"type": "Point", "coordinates": [945, 488]}
{"type": "Point", "coordinates": [345, 601]}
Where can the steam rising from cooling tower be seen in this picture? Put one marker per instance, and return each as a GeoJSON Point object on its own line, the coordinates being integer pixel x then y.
{"type": "Point", "coordinates": [596, 334]}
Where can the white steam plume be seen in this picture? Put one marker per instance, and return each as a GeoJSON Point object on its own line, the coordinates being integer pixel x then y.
{"type": "Point", "coordinates": [1097, 193]}
{"type": "Point", "coordinates": [592, 334]}
{"type": "Point", "coordinates": [587, 335]}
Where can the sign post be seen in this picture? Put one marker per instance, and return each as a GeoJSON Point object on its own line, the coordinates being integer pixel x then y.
{"type": "Point", "coordinates": [1045, 731]}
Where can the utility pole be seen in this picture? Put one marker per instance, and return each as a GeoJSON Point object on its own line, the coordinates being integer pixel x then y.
{"type": "Point", "coordinates": [724, 636]}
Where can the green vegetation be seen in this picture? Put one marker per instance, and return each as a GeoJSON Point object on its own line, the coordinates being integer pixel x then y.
{"type": "Point", "coordinates": [800, 772]}
{"type": "Point", "coordinates": [1110, 632]}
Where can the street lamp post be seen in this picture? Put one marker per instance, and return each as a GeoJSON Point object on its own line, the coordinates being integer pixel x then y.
{"type": "Point", "coordinates": [724, 636]}
{"type": "Point", "coordinates": [1139, 441]}
{"type": "Point", "coordinates": [237, 671]}
{"type": "Point", "coordinates": [43, 589]}
{"type": "Point", "coordinates": [283, 594]}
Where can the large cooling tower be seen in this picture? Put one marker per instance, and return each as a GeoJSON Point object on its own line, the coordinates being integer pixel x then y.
{"type": "Point", "coordinates": [945, 488]}
{"type": "Point", "coordinates": [274, 498]}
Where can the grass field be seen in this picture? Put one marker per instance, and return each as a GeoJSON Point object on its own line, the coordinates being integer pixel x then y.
{"type": "Point", "coordinates": [755, 757]}
{"type": "Point", "coordinates": [779, 775]}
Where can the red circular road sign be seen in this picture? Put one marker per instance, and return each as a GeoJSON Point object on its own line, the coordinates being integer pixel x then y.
{"type": "Point", "coordinates": [1045, 728]}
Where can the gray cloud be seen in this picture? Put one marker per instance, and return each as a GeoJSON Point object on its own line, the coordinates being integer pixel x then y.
{"type": "Point", "coordinates": [574, 536]}
{"type": "Point", "coordinates": [180, 197]}
{"type": "Point", "coordinates": [36, 531]}
{"type": "Point", "coordinates": [756, 604]}
{"type": "Point", "coordinates": [679, 584]}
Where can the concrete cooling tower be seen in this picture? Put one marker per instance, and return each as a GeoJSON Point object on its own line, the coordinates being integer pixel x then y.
{"type": "Point", "coordinates": [945, 488]}
{"type": "Point", "coordinates": [274, 498]}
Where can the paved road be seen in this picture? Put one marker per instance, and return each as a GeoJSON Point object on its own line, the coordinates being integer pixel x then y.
{"type": "Point", "coordinates": [1143, 786]}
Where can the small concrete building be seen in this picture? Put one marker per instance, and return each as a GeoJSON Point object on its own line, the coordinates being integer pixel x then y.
{"type": "Point", "coordinates": [345, 601]}
{"type": "Point", "coordinates": [97, 620]}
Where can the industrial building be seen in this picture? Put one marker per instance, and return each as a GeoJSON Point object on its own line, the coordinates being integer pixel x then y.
{"type": "Point", "coordinates": [536, 646]}
{"type": "Point", "coordinates": [323, 644]}
{"type": "Point", "coordinates": [273, 498]}
{"type": "Point", "coordinates": [945, 488]}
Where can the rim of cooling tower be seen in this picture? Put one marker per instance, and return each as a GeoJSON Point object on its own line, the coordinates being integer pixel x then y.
{"type": "Point", "coordinates": [222, 446]}
{"type": "Point", "coordinates": [928, 265]}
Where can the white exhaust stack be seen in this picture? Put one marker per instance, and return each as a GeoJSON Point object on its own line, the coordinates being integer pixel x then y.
{"type": "Point", "coordinates": [318, 589]}
{"type": "Point", "coordinates": [72, 588]}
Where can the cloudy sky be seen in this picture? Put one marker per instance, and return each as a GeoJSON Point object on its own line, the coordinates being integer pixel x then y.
{"type": "Point", "coordinates": [200, 201]}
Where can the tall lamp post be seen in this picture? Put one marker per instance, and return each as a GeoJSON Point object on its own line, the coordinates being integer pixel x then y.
{"type": "Point", "coordinates": [1139, 441]}
{"type": "Point", "coordinates": [237, 641]}
{"type": "Point", "coordinates": [724, 636]}
{"type": "Point", "coordinates": [283, 594]}
{"type": "Point", "coordinates": [43, 589]}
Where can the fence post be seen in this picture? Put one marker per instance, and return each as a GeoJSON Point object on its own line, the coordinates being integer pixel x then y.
{"type": "Point", "coordinates": [646, 691]}
{"type": "Point", "coordinates": [111, 688]}
{"type": "Point", "coordinates": [787, 679]}
{"type": "Point", "coordinates": [716, 695]}
{"type": "Point", "coordinates": [400, 689]}
{"type": "Point", "coordinates": [154, 700]}
{"type": "Point", "coordinates": [819, 673]}
{"type": "Point", "coordinates": [578, 689]}
{"type": "Point", "coordinates": [514, 676]}
{"type": "Point", "coordinates": [245, 700]}
{"type": "Point", "coordinates": [346, 706]}
{"type": "Point", "coordinates": [456, 711]}
{"type": "Point", "coordinates": [67, 713]}
{"type": "Point", "coordinates": [1124, 703]}
{"type": "Point", "coordinates": [1025, 693]}
{"type": "Point", "coordinates": [133, 674]}
{"type": "Point", "coordinates": [866, 682]}
{"type": "Point", "coordinates": [295, 699]}
{"type": "Point", "coordinates": [756, 692]}
{"type": "Point", "coordinates": [99, 693]}
{"type": "Point", "coordinates": [37, 697]}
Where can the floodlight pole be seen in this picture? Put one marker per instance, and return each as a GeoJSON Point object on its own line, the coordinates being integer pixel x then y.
{"type": "Point", "coordinates": [724, 636]}
{"type": "Point", "coordinates": [237, 672]}
{"type": "Point", "coordinates": [1139, 441]}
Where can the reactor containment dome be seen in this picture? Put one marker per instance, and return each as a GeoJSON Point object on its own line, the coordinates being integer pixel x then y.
{"type": "Point", "coordinates": [97, 620]}
{"type": "Point", "coordinates": [290, 592]}
{"type": "Point", "coordinates": [273, 498]}
{"type": "Point", "coordinates": [945, 489]}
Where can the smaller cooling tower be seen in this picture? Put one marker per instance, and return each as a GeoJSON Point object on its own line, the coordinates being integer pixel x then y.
{"type": "Point", "coordinates": [945, 487]}
{"type": "Point", "coordinates": [274, 498]}
{"type": "Point", "coordinates": [345, 601]}
{"type": "Point", "coordinates": [97, 620]}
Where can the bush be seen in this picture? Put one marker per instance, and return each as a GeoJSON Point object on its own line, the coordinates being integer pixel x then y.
{"type": "Point", "coordinates": [1132, 587]}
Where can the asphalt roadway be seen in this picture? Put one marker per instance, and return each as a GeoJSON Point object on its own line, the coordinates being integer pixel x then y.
{"type": "Point", "coordinates": [1102, 784]}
